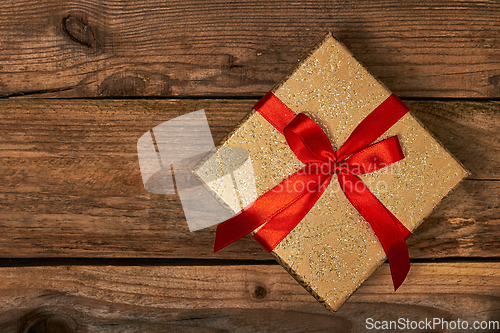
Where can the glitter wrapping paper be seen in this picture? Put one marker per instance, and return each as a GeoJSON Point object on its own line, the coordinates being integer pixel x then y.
{"type": "Point", "coordinates": [333, 249]}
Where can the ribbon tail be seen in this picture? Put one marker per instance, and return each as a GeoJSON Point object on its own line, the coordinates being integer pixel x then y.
{"type": "Point", "coordinates": [389, 230]}
{"type": "Point", "coordinates": [266, 207]}
{"type": "Point", "coordinates": [402, 229]}
{"type": "Point", "coordinates": [277, 228]}
{"type": "Point", "coordinates": [235, 228]}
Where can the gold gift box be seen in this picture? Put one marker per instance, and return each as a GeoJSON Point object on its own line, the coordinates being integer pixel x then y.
{"type": "Point", "coordinates": [333, 249]}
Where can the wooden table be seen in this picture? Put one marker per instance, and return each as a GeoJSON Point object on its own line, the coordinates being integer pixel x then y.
{"type": "Point", "coordinates": [84, 248]}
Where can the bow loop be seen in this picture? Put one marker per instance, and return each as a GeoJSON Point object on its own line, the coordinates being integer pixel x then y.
{"type": "Point", "coordinates": [308, 141]}
{"type": "Point", "coordinates": [375, 157]}
{"type": "Point", "coordinates": [370, 128]}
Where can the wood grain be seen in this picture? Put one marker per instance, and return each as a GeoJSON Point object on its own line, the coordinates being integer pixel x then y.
{"type": "Point", "coordinates": [80, 48]}
{"type": "Point", "coordinates": [250, 298]}
{"type": "Point", "coordinates": [71, 185]}
{"type": "Point", "coordinates": [92, 251]}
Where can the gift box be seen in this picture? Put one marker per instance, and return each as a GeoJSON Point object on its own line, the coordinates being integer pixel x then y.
{"type": "Point", "coordinates": [333, 248]}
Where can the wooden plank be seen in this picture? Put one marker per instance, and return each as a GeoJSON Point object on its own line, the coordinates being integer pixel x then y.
{"type": "Point", "coordinates": [467, 130]}
{"type": "Point", "coordinates": [249, 298]}
{"type": "Point", "coordinates": [71, 185]}
{"type": "Point", "coordinates": [207, 48]}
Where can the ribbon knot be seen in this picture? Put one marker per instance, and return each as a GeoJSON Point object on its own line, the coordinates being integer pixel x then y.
{"type": "Point", "coordinates": [333, 168]}
{"type": "Point", "coordinates": [280, 209]}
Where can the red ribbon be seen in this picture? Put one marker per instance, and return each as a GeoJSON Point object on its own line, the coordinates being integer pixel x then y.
{"type": "Point", "coordinates": [280, 209]}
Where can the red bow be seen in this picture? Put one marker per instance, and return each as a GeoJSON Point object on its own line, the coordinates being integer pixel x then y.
{"type": "Point", "coordinates": [280, 209]}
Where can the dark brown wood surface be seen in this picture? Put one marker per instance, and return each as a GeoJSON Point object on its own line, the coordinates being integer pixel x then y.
{"type": "Point", "coordinates": [84, 248]}
{"type": "Point", "coordinates": [239, 298]}
{"type": "Point", "coordinates": [80, 48]}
